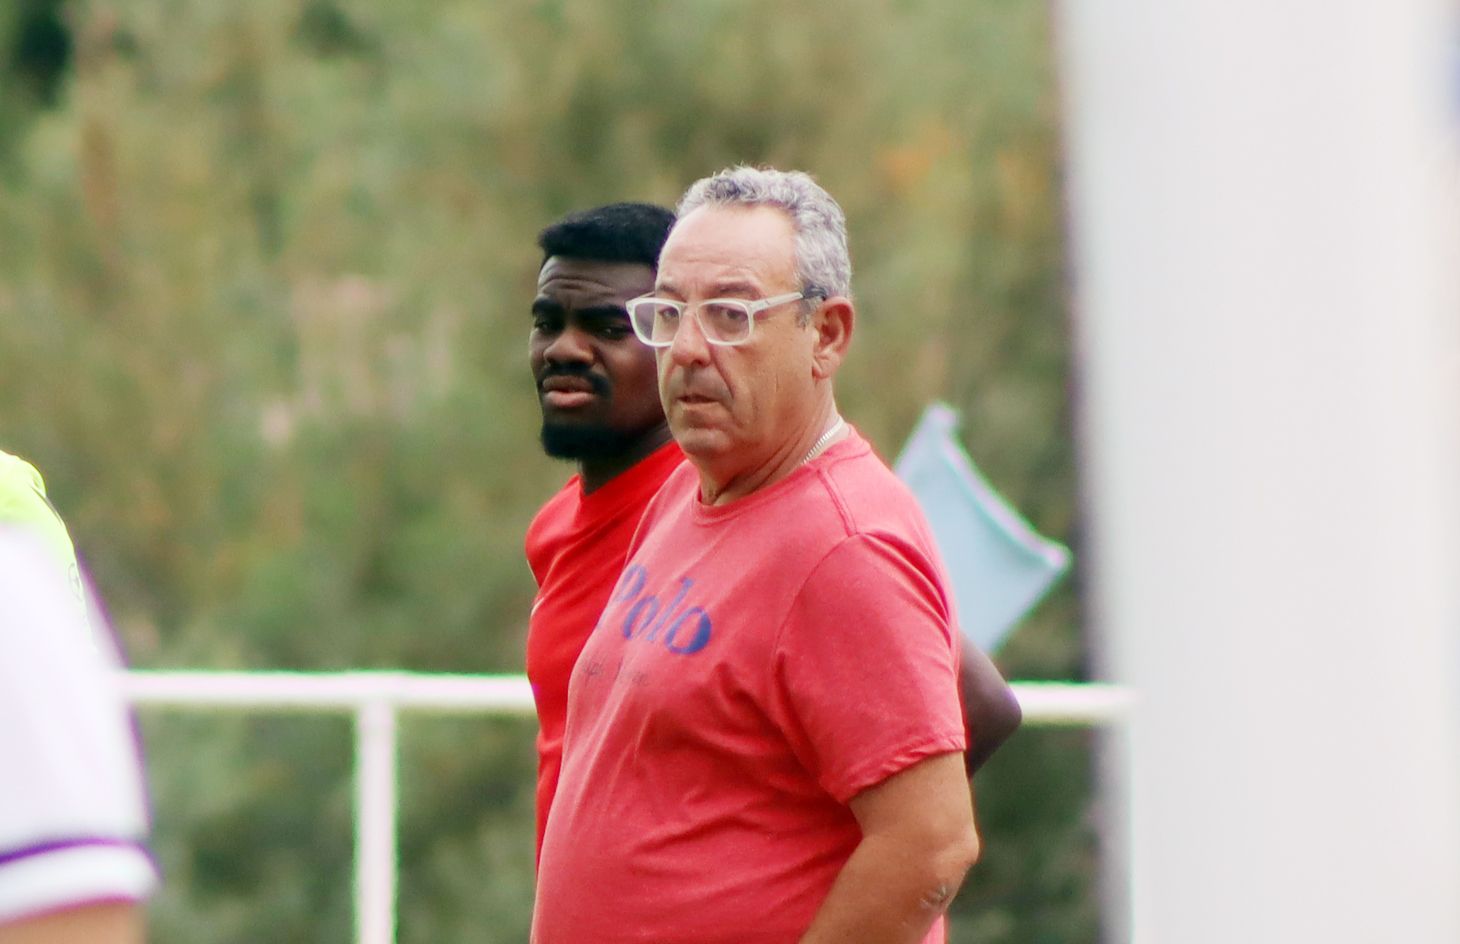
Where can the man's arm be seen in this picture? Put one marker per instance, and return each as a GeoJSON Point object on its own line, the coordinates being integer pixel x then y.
{"type": "Point", "coordinates": [991, 712]}
{"type": "Point", "coordinates": [103, 923]}
{"type": "Point", "coordinates": [918, 840]}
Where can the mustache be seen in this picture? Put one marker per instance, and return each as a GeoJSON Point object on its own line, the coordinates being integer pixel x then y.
{"type": "Point", "coordinates": [599, 384]}
{"type": "Point", "coordinates": [695, 386]}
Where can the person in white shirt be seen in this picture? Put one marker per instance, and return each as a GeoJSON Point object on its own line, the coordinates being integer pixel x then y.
{"type": "Point", "coordinates": [74, 866]}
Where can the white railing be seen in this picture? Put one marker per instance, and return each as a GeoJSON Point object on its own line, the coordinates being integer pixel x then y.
{"type": "Point", "coordinates": [377, 698]}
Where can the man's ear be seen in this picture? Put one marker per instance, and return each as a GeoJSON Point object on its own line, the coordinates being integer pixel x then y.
{"type": "Point", "coordinates": [833, 322]}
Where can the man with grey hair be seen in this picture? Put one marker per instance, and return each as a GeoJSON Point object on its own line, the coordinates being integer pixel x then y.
{"type": "Point", "coordinates": [764, 740]}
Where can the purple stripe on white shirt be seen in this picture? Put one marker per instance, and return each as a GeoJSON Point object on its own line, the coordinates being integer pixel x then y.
{"type": "Point", "coordinates": [11, 856]}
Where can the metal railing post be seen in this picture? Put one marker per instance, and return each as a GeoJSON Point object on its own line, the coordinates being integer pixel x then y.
{"type": "Point", "coordinates": [375, 822]}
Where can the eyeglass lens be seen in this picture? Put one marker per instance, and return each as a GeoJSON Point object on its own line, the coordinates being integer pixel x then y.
{"type": "Point", "coordinates": [724, 321]}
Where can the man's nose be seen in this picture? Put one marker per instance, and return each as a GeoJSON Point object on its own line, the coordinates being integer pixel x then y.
{"type": "Point", "coordinates": [689, 345]}
{"type": "Point", "coordinates": [570, 346]}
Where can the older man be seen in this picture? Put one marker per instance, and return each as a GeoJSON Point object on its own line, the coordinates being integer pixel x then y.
{"type": "Point", "coordinates": [763, 739]}
{"type": "Point", "coordinates": [600, 408]}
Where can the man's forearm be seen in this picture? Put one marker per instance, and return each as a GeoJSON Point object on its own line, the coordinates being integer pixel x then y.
{"type": "Point", "coordinates": [100, 923]}
{"type": "Point", "coordinates": [991, 712]}
{"type": "Point", "coordinates": [891, 892]}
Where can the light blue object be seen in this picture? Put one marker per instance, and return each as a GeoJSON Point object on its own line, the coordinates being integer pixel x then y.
{"type": "Point", "coordinates": [999, 565]}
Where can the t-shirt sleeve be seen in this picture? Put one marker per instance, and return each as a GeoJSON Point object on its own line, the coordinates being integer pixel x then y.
{"type": "Point", "coordinates": [865, 668]}
{"type": "Point", "coordinates": [24, 505]}
{"type": "Point", "coordinates": [73, 815]}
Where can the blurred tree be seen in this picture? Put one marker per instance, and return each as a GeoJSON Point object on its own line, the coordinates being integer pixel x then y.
{"type": "Point", "coordinates": [264, 273]}
{"type": "Point", "coordinates": [38, 50]}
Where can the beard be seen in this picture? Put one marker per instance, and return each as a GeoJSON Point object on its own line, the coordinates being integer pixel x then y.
{"type": "Point", "coordinates": [574, 441]}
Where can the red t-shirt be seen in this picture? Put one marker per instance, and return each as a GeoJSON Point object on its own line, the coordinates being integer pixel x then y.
{"type": "Point", "coordinates": [757, 666]}
{"type": "Point", "coordinates": [576, 547]}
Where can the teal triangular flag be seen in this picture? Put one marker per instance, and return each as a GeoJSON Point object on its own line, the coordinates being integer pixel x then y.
{"type": "Point", "coordinates": [999, 565]}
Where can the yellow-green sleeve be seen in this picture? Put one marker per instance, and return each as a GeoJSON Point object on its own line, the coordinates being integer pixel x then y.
{"type": "Point", "coordinates": [23, 504]}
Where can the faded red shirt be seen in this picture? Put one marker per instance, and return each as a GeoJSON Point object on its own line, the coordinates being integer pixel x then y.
{"type": "Point", "coordinates": [757, 666]}
{"type": "Point", "coordinates": [576, 547]}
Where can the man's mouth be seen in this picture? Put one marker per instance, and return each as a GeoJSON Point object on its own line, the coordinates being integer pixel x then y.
{"type": "Point", "coordinates": [570, 391]}
{"type": "Point", "coordinates": [689, 392]}
{"type": "Point", "coordinates": [567, 399]}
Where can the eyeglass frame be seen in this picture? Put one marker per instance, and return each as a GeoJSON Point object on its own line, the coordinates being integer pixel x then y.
{"type": "Point", "coordinates": [752, 308]}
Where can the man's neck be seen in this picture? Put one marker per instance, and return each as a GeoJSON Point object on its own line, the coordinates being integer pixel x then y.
{"type": "Point", "coordinates": [598, 471]}
{"type": "Point", "coordinates": [824, 431]}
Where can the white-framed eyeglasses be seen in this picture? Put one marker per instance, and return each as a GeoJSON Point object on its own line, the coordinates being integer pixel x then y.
{"type": "Point", "coordinates": [723, 321]}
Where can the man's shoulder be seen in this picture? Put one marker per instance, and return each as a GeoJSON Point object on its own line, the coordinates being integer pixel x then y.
{"type": "Point", "coordinates": [15, 472]}
{"type": "Point", "coordinates": [23, 502]}
{"type": "Point", "coordinates": [878, 507]}
{"type": "Point", "coordinates": [564, 499]}
{"type": "Point", "coordinates": [22, 492]}
{"type": "Point", "coordinates": [868, 493]}
{"type": "Point", "coordinates": [552, 524]}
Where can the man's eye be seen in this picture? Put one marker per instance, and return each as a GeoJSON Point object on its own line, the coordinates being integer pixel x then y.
{"type": "Point", "coordinates": [546, 323]}
{"type": "Point", "coordinates": [730, 316]}
{"type": "Point", "coordinates": [606, 326]}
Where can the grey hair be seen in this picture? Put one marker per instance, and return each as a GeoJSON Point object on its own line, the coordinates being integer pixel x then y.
{"type": "Point", "coordinates": [823, 265]}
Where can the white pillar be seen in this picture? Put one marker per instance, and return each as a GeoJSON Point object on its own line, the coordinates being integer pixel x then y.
{"type": "Point", "coordinates": [1263, 212]}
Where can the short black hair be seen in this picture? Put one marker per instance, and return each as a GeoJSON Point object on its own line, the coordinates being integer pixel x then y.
{"type": "Point", "coordinates": [615, 232]}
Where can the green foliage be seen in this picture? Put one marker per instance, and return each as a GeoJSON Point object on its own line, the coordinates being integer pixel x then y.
{"type": "Point", "coordinates": [263, 280]}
